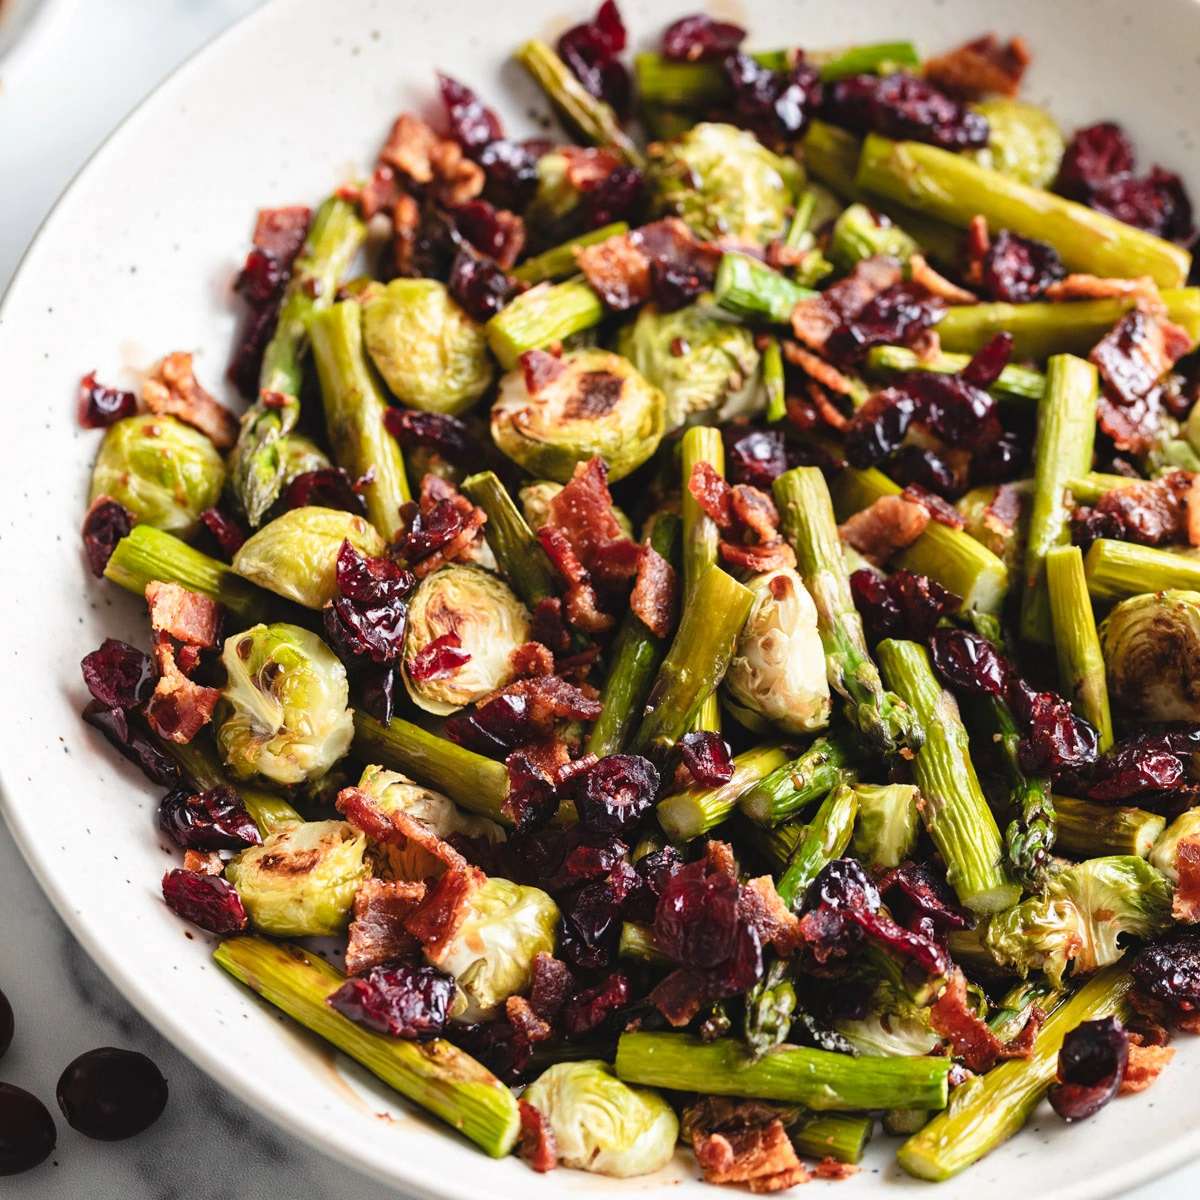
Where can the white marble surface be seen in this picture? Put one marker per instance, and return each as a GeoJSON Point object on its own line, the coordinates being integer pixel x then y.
{"type": "Point", "coordinates": [81, 69]}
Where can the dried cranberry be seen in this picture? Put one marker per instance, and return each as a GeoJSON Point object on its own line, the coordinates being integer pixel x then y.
{"type": "Point", "coordinates": [327, 487]}
{"type": "Point", "coordinates": [224, 533]}
{"type": "Point", "coordinates": [696, 920]}
{"type": "Point", "coordinates": [118, 675]}
{"type": "Point", "coordinates": [968, 662]}
{"type": "Point", "coordinates": [1170, 970]}
{"type": "Point", "coordinates": [699, 38]}
{"type": "Point", "coordinates": [431, 531]}
{"type": "Point", "coordinates": [478, 284]}
{"type": "Point", "coordinates": [1017, 270]}
{"type": "Point", "coordinates": [494, 728]}
{"type": "Point", "coordinates": [214, 820]}
{"type": "Point", "coordinates": [106, 523]}
{"type": "Point", "coordinates": [399, 999]}
{"type": "Point", "coordinates": [1095, 154]}
{"type": "Point", "coordinates": [988, 362]}
{"type": "Point", "coordinates": [110, 1094]}
{"type": "Point", "coordinates": [616, 793]}
{"type": "Point", "coordinates": [591, 1008]}
{"type": "Point", "coordinates": [898, 316]}
{"type": "Point", "coordinates": [368, 619]}
{"type": "Point", "coordinates": [472, 124]}
{"type": "Point", "coordinates": [206, 900]}
{"type": "Point", "coordinates": [842, 886]}
{"type": "Point", "coordinates": [369, 580]}
{"type": "Point", "coordinates": [1088, 525]}
{"type": "Point", "coordinates": [904, 605]}
{"type": "Point", "coordinates": [261, 278]}
{"type": "Point", "coordinates": [1159, 204]}
{"type": "Point", "coordinates": [101, 406]}
{"type": "Point", "coordinates": [1057, 739]}
{"type": "Point", "coordinates": [377, 688]}
{"type": "Point", "coordinates": [505, 1051]}
{"type": "Point", "coordinates": [927, 893]}
{"type": "Point", "coordinates": [439, 659]}
{"type": "Point", "coordinates": [590, 50]}
{"type": "Point", "coordinates": [550, 986]}
{"type": "Point", "coordinates": [1091, 1065]}
{"type": "Point", "coordinates": [156, 764]}
{"type": "Point", "coordinates": [620, 196]}
{"type": "Point", "coordinates": [758, 457]}
{"type": "Point", "coordinates": [511, 169]}
{"type": "Point", "coordinates": [708, 757]}
{"type": "Point", "coordinates": [918, 465]}
{"type": "Point", "coordinates": [27, 1133]}
{"type": "Point", "coordinates": [878, 428]}
{"type": "Point", "coordinates": [245, 364]}
{"type": "Point", "coordinates": [907, 108]}
{"type": "Point", "coordinates": [586, 861]}
{"type": "Point", "coordinates": [592, 923]}
{"type": "Point", "coordinates": [1144, 761]}
{"type": "Point", "coordinates": [774, 105]}
{"type": "Point", "coordinates": [674, 285]}
{"type": "Point", "coordinates": [532, 798]}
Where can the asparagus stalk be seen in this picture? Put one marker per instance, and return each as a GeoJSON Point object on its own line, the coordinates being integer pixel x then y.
{"type": "Point", "coordinates": [257, 464]}
{"type": "Point", "coordinates": [354, 410]}
{"type": "Point", "coordinates": [664, 82]}
{"type": "Point", "coordinates": [825, 839]}
{"type": "Point", "coordinates": [592, 118]}
{"type": "Point", "coordinates": [543, 315]}
{"type": "Point", "coordinates": [841, 1136]}
{"type": "Point", "coordinates": [859, 234]}
{"type": "Point", "coordinates": [880, 58]}
{"type": "Point", "coordinates": [691, 813]}
{"type": "Point", "coordinates": [1042, 328]}
{"type": "Point", "coordinates": [950, 556]}
{"type": "Point", "coordinates": [818, 1079]}
{"type": "Point", "coordinates": [517, 550]}
{"type": "Point", "coordinates": [436, 1075]}
{"type": "Point", "coordinates": [773, 380]}
{"type": "Point", "coordinates": [1021, 387]}
{"type": "Point", "coordinates": [991, 1108]}
{"type": "Point", "coordinates": [1066, 433]}
{"type": "Point", "coordinates": [1090, 830]}
{"type": "Point", "coordinates": [477, 783]}
{"type": "Point", "coordinates": [752, 290]}
{"type": "Point", "coordinates": [801, 219]}
{"type": "Point", "coordinates": [559, 261]}
{"type": "Point", "coordinates": [1080, 660]}
{"type": "Point", "coordinates": [638, 944]}
{"type": "Point", "coordinates": [955, 812]}
{"type": "Point", "coordinates": [955, 189]}
{"type": "Point", "coordinates": [796, 784]}
{"type": "Point", "coordinates": [701, 537]}
{"type": "Point", "coordinates": [704, 643]}
{"type": "Point", "coordinates": [636, 656]}
{"type": "Point", "coordinates": [1118, 569]}
{"type": "Point", "coordinates": [886, 724]}
{"type": "Point", "coordinates": [148, 554]}
{"type": "Point", "coordinates": [1087, 489]}
{"type": "Point", "coordinates": [776, 845]}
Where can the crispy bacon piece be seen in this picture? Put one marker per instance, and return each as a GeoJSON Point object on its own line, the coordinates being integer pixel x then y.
{"type": "Point", "coordinates": [756, 511]}
{"type": "Point", "coordinates": [830, 1168]}
{"type": "Point", "coordinates": [768, 556]}
{"type": "Point", "coordinates": [1138, 351]}
{"type": "Point", "coordinates": [815, 367]}
{"type": "Point", "coordinates": [583, 512]}
{"type": "Point", "coordinates": [178, 708]}
{"type": "Point", "coordinates": [415, 150]}
{"type": "Point", "coordinates": [377, 933]}
{"type": "Point", "coordinates": [423, 852]}
{"type": "Point", "coordinates": [521, 1016]}
{"type": "Point", "coordinates": [582, 608]}
{"type": "Point", "coordinates": [680, 995]}
{"type": "Point", "coordinates": [759, 905]}
{"type": "Point", "coordinates": [203, 862]}
{"type": "Point", "coordinates": [655, 596]}
{"type": "Point", "coordinates": [436, 920]}
{"type": "Point", "coordinates": [171, 388]}
{"type": "Point", "coordinates": [981, 67]}
{"type": "Point", "coordinates": [891, 523]}
{"type": "Point", "coordinates": [743, 1142]}
{"type": "Point", "coordinates": [280, 231]}
{"type": "Point", "coordinates": [922, 273]}
{"type": "Point", "coordinates": [1151, 512]}
{"type": "Point", "coordinates": [1186, 906]}
{"type": "Point", "coordinates": [976, 246]}
{"type": "Point", "coordinates": [814, 320]}
{"type": "Point", "coordinates": [1092, 287]}
{"type": "Point", "coordinates": [742, 511]}
{"type": "Point", "coordinates": [187, 616]}
{"type": "Point", "coordinates": [954, 1018]}
{"type": "Point", "coordinates": [540, 368]}
{"type": "Point", "coordinates": [1144, 1065]}
{"type": "Point", "coordinates": [941, 510]}
{"type": "Point", "coordinates": [537, 1146]}
{"type": "Point", "coordinates": [712, 493]}
{"type": "Point", "coordinates": [531, 659]}
{"type": "Point", "coordinates": [548, 700]}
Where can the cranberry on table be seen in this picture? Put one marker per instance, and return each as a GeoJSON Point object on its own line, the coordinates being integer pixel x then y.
{"type": "Point", "coordinates": [6, 1024]}
{"type": "Point", "coordinates": [110, 1094]}
{"type": "Point", "coordinates": [27, 1133]}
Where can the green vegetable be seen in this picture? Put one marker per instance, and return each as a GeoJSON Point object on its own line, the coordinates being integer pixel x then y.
{"type": "Point", "coordinates": [489, 621]}
{"type": "Point", "coordinates": [1151, 650]}
{"type": "Point", "coordinates": [860, 233]}
{"type": "Point", "coordinates": [544, 315]}
{"type": "Point", "coordinates": [1024, 142]}
{"type": "Point", "coordinates": [841, 1136]}
{"type": "Point", "coordinates": [1116, 570]}
{"type": "Point", "coordinates": [283, 711]}
{"type": "Point", "coordinates": [1019, 387]}
{"type": "Point", "coordinates": [825, 839]}
{"type": "Point", "coordinates": [795, 784]}
{"type": "Point", "coordinates": [888, 824]}
{"type": "Point", "coordinates": [559, 261]}
{"type": "Point", "coordinates": [429, 352]}
{"type": "Point", "coordinates": [752, 290]}
{"type": "Point", "coordinates": [769, 1007]}
{"type": "Point", "coordinates": [1090, 830]}
{"type": "Point", "coordinates": [302, 880]}
{"type": "Point", "coordinates": [1164, 855]}
{"type": "Point", "coordinates": [165, 472]}
{"type": "Point", "coordinates": [601, 1124]}
{"type": "Point", "coordinates": [893, 1026]}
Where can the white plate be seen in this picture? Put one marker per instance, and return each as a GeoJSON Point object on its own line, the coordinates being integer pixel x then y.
{"type": "Point", "coordinates": [138, 259]}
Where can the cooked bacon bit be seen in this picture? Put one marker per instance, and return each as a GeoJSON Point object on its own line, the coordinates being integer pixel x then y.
{"type": "Point", "coordinates": [770, 556]}
{"type": "Point", "coordinates": [1186, 906]}
{"type": "Point", "coordinates": [1002, 515]}
{"type": "Point", "coordinates": [179, 708]}
{"type": "Point", "coordinates": [712, 493]}
{"type": "Point", "coordinates": [743, 1142]}
{"type": "Point", "coordinates": [939, 285]}
{"type": "Point", "coordinates": [891, 523]}
{"type": "Point", "coordinates": [830, 413]}
{"type": "Point", "coordinates": [537, 1146]}
{"type": "Point", "coordinates": [720, 858]}
{"type": "Point", "coordinates": [783, 257]}
{"type": "Point", "coordinates": [941, 510]}
{"type": "Point", "coordinates": [1092, 287]}
{"type": "Point", "coordinates": [817, 368]}
{"type": "Point", "coordinates": [680, 995]}
{"type": "Point", "coordinates": [540, 369]}
{"type": "Point", "coordinates": [410, 147]}
{"type": "Point", "coordinates": [531, 659]}
{"type": "Point", "coordinates": [954, 1018]}
{"type": "Point", "coordinates": [203, 862]}
{"type": "Point", "coordinates": [549, 700]}
{"type": "Point", "coordinates": [830, 1168]}
{"type": "Point", "coordinates": [548, 626]}
{"type": "Point", "coordinates": [552, 985]}
{"type": "Point", "coordinates": [377, 933]}
{"type": "Point", "coordinates": [580, 602]}
{"type": "Point", "coordinates": [1139, 350]}
{"type": "Point", "coordinates": [588, 167]}
{"type": "Point", "coordinates": [171, 388]}
{"type": "Point", "coordinates": [756, 510]}
{"type": "Point", "coordinates": [583, 511]}
{"type": "Point", "coordinates": [759, 905]}
{"type": "Point", "coordinates": [187, 616]}
{"type": "Point", "coordinates": [1144, 1066]}
{"type": "Point", "coordinates": [424, 852]}
{"type": "Point", "coordinates": [655, 596]}
{"type": "Point", "coordinates": [1151, 512]}
{"type": "Point", "coordinates": [379, 193]}
{"type": "Point", "coordinates": [280, 231]}
{"type": "Point", "coordinates": [814, 320]}
{"type": "Point", "coordinates": [981, 67]}
{"type": "Point", "coordinates": [977, 244]}
{"type": "Point", "coordinates": [436, 920]}
{"type": "Point", "coordinates": [521, 1016]}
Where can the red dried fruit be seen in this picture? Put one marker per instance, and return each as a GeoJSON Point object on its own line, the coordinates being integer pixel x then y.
{"type": "Point", "coordinates": [1017, 270]}
{"type": "Point", "coordinates": [432, 531]}
{"type": "Point", "coordinates": [106, 523]}
{"type": "Point", "coordinates": [400, 999]}
{"type": "Point", "coordinates": [1057, 739]}
{"type": "Point", "coordinates": [1170, 970]}
{"type": "Point", "coordinates": [904, 107]}
{"type": "Point", "coordinates": [696, 921]}
{"type": "Point", "coordinates": [758, 457]}
{"type": "Point", "coordinates": [1095, 155]}
{"type": "Point", "coordinates": [620, 196]}
{"type": "Point", "coordinates": [472, 124]}
{"type": "Point", "coordinates": [532, 798]}
{"type": "Point", "coordinates": [1091, 1065]}
{"type": "Point", "coordinates": [328, 487]}
{"type": "Point", "coordinates": [118, 675]}
{"type": "Point", "coordinates": [1144, 761]}
{"type": "Point", "coordinates": [775, 106]}
{"type": "Point", "coordinates": [1159, 204]}
{"type": "Point", "coordinates": [447, 436]}
{"type": "Point", "coordinates": [495, 233]}
{"type": "Point", "coordinates": [590, 49]}
{"type": "Point", "coordinates": [156, 764]}
{"type": "Point", "coordinates": [708, 757]}
{"type": "Point", "coordinates": [478, 284]}
{"type": "Point", "coordinates": [615, 793]}
{"type": "Point", "coordinates": [439, 659]}
{"type": "Point", "coordinates": [592, 923]}
{"type": "Point", "coordinates": [494, 728]}
{"type": "Point", "coordinates": [368, 619]}
{"type": "Point", "coordinates": [926, 894]}
{"type": "Point", "coordinates": [377, 684]}
{"type": "Point", "coordinates": [586, 1011]}
{"type": "Point", "coordinates": [206, 900]}
{"type": "Point", "coordinates": [551, 985]}
{"type": "Point", "coordinates": [898, 316]}
{"type": "Point", "coordinates": [1087, 525]}
{"type": "Point", "coordinates": [214, 820]}
{"type": "Point", "coordinates": [225, 531]}
{"type": "Point", "coordinates": [699, 38]}
{"type": "Point", "coordinates": [101, 406]}
{"type": "Point", "coordinates": [969, 663]}
{"type": "Point", "coordinates": [903, 605]}
{"type": "Point", "coordinates": [511, 169]}
{"type": "Point", "coordinates": [261, 279]}
{"type": "Point", "coordinates": [920, 466]}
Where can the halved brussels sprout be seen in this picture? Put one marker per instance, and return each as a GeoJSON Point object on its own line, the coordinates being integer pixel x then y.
{"type": "Point", "coordinates": [302, 880]}
{"type": "Point", "coordinates": [724, 183]}
{"type": "Point", "coordinates": [430, 353]}
{"type": "Point", "coordinates": [491, 951]}
{"type": "Point", "coordinates": [1151, 646]}
{"type": "Point", "coordinates": [295, 555]}
{"type": "Point", "coordinates": [283, 710]}
{"type": "Point", "coordinates": [893, 1026]}
{"type": "Point", "coordinates": [1006, 542]}
{"type": "Point", "coordinates": [555, 200]}
{"type": "Point", "coordinates": [885, 832]}
{"type": "Point", "coordinates": [489, 621]}
{"type": "Point", "coordinates": [597, 404]}
{"type": "Point", "coordinates": [706, 366]}
{"type": "Point", "coordinates": [1166, 849]}
{"type": "Point", "coordinates": [777, 676]}
{"type": "Point", "coordinates": [601, 1124]}
{"type": "Point", "coordinates": [165, 472]}
{"type": "Point", "coordinates": [1024, 142]}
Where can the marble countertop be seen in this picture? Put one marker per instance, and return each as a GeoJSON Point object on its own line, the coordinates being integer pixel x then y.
{"type": "Point", "coordinates": [83, 66]}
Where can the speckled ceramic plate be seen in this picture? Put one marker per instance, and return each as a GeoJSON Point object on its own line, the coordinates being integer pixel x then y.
{"type": "Point", "coordinates": [138, 259]}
